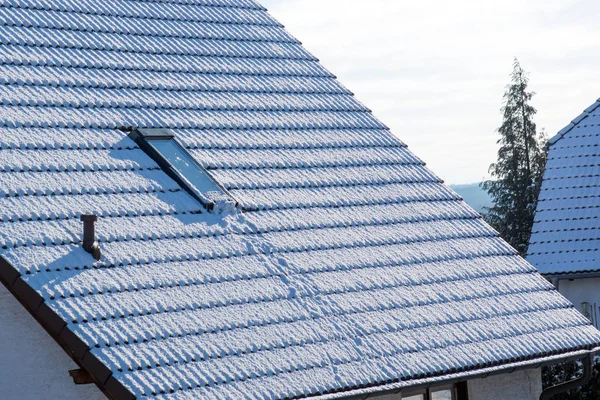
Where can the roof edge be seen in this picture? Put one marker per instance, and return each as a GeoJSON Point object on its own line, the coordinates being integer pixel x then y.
{"type": "Point", "coordinates": [80, 353]}
{"type": "Point", "coordinates": [572, 274]}
{"type": "Point", "coordinates": [57, 328]}
{"type": "Point", "coordinates": [392, 388]}
{"type": "Point", "coordinates": [573, 123]}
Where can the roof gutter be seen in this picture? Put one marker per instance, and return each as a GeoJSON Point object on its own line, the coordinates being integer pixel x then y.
{"type": "Point", "coordinates": [572, 384]}
{"type": "Point", "coordinates": [555, 278]}
{"type": "Point", "coordinates": [571, 275]}
{"type": "Point", "coordinates": [399, 387]}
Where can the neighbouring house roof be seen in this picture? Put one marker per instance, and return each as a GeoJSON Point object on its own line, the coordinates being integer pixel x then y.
{"type": "Point", "coordinates": [352, 268]}
{"type": "Point", "coordinates": [565, 234]}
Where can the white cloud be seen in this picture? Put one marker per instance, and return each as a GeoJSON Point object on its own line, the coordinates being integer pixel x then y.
{"type": "Point", "coordinates": [434, 71]}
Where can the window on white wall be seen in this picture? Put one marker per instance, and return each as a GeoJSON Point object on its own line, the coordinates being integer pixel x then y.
{"type": "Point", "coordinates": [415, 397]}
{"type": "Point", "coordinates": [457, 391]}
{"type": "Point", "coordinates": [445, 394]}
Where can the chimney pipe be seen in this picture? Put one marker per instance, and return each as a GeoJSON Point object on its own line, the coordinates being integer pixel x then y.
{"type": "Point", "coordinates": [89, 235]}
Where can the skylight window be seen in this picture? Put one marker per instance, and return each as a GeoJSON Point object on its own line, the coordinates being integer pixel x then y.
{"type": "Point", "coordinates": [178, 163]}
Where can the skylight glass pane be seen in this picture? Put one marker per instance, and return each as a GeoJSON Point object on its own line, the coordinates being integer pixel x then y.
{"type": "Point", "coordinates": [178, 163]}
{"type": "Point", "coordinates": [185, 164]}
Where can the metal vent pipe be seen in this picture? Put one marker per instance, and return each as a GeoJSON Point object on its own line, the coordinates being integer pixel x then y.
{"type": "Point", "coordinates": [90, 244]}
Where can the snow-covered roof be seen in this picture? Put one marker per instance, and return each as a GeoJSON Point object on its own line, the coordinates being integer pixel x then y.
{"type": "Point", "coordinates": [565, 232]}
{"type": "Point", "coordinates": [352, 265]}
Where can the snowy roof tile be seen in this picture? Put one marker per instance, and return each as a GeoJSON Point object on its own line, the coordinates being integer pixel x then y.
{"type": "Point", "coordinates": [565, 236]}
{"type": "Point", "coordinates": [352, 268]}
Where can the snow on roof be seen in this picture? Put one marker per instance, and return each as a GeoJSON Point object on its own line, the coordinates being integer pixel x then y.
{"type": "Point", "coordinates": [352, 266]}
{"type": "Point", "coordinates": [565, 232]}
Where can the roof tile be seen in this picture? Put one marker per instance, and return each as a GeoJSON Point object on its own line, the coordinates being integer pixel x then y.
{"type": "Point", "coordinates": [350, 266]}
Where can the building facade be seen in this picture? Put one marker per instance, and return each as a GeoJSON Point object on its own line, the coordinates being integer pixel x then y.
{"type": "Point", "coordinates": [565, 235]}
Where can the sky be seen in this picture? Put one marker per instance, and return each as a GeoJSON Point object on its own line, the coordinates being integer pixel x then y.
{"type": "Point", "coordinates": [435, 71]}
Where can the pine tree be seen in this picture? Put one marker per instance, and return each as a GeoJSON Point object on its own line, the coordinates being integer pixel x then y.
{"type": "Point", "coordinates": [517, 174]}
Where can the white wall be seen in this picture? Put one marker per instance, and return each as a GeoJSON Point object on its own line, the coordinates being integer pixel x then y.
{"type": "Point", "coordinates": [520, 385]}
{"type": "Point", "coordinates": [580, 290]}
{"type": "Point", "coordinates": [32, 365]}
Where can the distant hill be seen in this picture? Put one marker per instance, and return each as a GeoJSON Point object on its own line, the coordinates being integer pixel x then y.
{"type": "Point", "coordinates": [473, 195]}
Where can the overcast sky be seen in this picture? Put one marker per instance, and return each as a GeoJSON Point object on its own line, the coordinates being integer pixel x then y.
{"type": "Point", "coordinates": [434, 71]}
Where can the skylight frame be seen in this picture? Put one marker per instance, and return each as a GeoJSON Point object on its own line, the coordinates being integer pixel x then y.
{"type": "Point", "coordinates": [182, 167]}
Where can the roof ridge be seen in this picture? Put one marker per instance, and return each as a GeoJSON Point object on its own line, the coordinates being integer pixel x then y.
{"type": "Point", "coordinates": [573, 123]}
